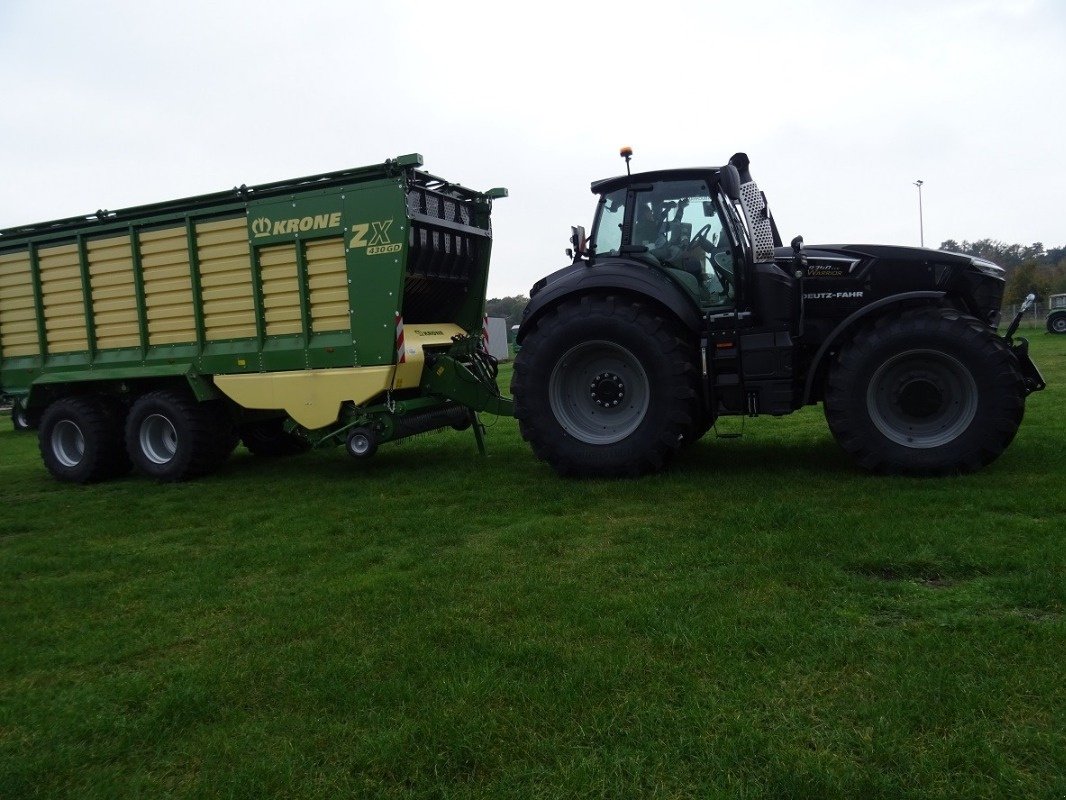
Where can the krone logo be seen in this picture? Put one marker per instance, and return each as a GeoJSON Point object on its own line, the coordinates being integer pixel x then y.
{"type": "Point", "coordinates": [261, 227]}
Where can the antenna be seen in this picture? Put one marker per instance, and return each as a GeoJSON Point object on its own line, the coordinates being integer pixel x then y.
{"type": "Point", "coordinates": [627, 153]}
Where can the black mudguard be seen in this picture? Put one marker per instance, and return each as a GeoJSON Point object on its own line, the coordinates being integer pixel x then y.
{"type": "Point", "coordinates": [819, 365]}
{"type": "Point", "coordinates": [615, 275]}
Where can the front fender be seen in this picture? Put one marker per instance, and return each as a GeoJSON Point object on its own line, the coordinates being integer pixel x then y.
{"type": "Point", "coordinates": [616, 275]}
{"type": "Point", "coordinates": [817, 371]}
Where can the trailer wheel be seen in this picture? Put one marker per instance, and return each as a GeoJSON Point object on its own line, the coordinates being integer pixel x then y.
{"type": "Point", "coordinates": [1056, 323]}
{"type": "Point", "coordinates": [604, 387]}
{"type": "Point", "coordinates": [928, 392]}
{"type": "Point", "coordinates": [362, 443]}
{"type": "Point", "coordinates": [269, 438]}
{"type": "Point", "coordinates": [81, 440]}
{"type": "Point", "coordinates": [171, 437]}
{"type": "Point", "coordinates": [20, 420]}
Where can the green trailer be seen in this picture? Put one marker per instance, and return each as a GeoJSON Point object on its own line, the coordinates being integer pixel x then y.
{"type": "Point", "coordinates": [343, 308]}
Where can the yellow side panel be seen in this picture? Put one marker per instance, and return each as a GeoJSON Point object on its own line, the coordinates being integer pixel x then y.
{"type": "Point", "coordinates": [63, 299]}
{"type": "Point", "coordinates": [311, 397]}
{"type": "Point", "coordinates": [113, 291]}
{"type": "Point", "coordinates": [327, 279]}
{"type": "Point", "coordinates": [167, 286]}
{"type": "Point", "coordinates": [226, 279]}
{"type": "Point", "coordinates": [18, 317]}
{"type": "Point", "coordinates": [281, 290]}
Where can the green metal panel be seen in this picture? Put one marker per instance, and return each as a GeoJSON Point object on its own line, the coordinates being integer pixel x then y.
{"type": "Point", "coordinates": [376, 220]}
{"type": "Point", "coordinates": [138, 290]}
{"type": "Point", "coordinates": [87, 298]}
{"type": "Point", "coordinates": [194, 275]}
{"type": "Point", "coordinates": [38, 303]}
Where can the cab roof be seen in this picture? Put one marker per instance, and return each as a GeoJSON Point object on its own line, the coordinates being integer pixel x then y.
{"type": "Point", "coordinates": [680, 174]}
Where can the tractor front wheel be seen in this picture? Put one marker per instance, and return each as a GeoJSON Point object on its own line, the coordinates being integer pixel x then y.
{"type": "Point", "coordinates": [928, 392]}
{"type": "Point", "coordinates": [1056, 323]}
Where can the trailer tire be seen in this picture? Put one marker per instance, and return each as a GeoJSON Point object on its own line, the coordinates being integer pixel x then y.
{"type": "Point", "coordinates": [1056, 323]}
{"type": "Point", "coordinates": [20, 420]}
{"type": "Point", "coordinates": [81, 440]}
{"type": "Point", "coordinates": [361, 443]}
{"type": "Point", "coordinates": [927, 392]}
{"type": "Point", "coordinates": [604, 387]}
{"type": "Point", "coordinates": [269, 438]}
{"type": "Point", "coordinates": [171, 437]}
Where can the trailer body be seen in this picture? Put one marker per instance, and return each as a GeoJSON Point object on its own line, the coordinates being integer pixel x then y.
{"type": "Point", "coordinates": [322, 299]}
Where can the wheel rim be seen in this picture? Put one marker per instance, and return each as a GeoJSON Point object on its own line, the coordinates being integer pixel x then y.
{"type": "Point", "coordinates": [68, 443]}
{"type": "Point", "coordinates": [21, 419]}
{"type": "Point", "coordinates": [1059, 324]}
{"type": "Point", "coordinates": [599, 392]}
{"type": "Point", "coordinates": [359, 445]}
{"type": "Point", "coordinates": [922, 398]}
{"type": "Point", "coordinates": [158, 438]}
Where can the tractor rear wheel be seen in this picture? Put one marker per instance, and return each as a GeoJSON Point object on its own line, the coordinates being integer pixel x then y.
{"type": "Point", "coordinates": [604, 387]}
{"type": "Point", "coordinates": [928, 392]}
{"type": "Point", "coordinates": [81, 440]}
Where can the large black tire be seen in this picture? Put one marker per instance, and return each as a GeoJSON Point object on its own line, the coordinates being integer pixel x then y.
{"type": "Point", "coordinates": [926, 392]}
{"type": "Point", "coordinates": [269, 438]}
{"type": "Point", "coordinates": [605, 387]}
{"type": "Point", "coordinates": [80, 439]}
{"type": "Point", "coordinates": [172, 437]}
{"type": "Point", "coordinates": [1056, 323]}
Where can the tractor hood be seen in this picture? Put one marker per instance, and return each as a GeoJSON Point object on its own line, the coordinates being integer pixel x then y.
{"type": "Point", "coordinates": [840, 278]}
{"type": "Point", "coordinates": [858, 254]}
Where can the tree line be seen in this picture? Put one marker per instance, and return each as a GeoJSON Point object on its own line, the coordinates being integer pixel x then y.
{"type": "Point", "coordinates": [510, 308]}
{"type": "Point", "coordinates": [1030, 268]}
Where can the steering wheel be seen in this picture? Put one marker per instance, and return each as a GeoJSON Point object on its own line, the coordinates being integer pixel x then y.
{"type": "Point", "coordinates": [701, 241]}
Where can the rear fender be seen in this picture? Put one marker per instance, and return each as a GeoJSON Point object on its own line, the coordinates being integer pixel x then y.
{"type": "Point", "coordinates": [617, 276]}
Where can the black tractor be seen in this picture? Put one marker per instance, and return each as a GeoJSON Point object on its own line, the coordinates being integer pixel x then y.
{"type": "Point", "coordinates": [682, 306]}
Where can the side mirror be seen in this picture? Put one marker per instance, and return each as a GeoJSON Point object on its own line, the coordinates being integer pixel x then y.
{"type": "Point", "coordinates": [579, 242]}
{"type": "Point", "coordinates": [729, 180]}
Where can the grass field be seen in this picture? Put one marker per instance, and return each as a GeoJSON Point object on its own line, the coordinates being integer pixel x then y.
{"type": "Point", "coordinates": [761, 622]}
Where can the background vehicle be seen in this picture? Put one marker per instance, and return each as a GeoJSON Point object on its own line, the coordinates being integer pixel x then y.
{"type": "Point", "coordinates": [1056, 317]}
{"type": "Point", "coordinates": [683, 307]}
{"type": "Point", "coordinates": [332, 309]}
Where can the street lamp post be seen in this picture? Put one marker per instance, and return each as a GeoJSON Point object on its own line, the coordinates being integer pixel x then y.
{"type": "Point", "coordinates": [921, 221]}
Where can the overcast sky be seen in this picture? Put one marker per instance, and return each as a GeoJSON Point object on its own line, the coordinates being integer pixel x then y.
{"type": "Point", "coordinates": [840, 105]}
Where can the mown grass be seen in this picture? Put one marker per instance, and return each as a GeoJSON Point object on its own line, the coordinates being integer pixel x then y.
{"type": "Point", "coordinates": [762, 621]}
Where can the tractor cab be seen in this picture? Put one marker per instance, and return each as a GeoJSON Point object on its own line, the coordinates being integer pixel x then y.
{"type": "Point", "coordinates": [677, 221]}
{"type": "Point", "coordinates": [708, 230]}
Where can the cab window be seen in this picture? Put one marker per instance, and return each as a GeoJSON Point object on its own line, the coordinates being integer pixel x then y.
{"type": "Point", "coordinates": [607, 232]}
